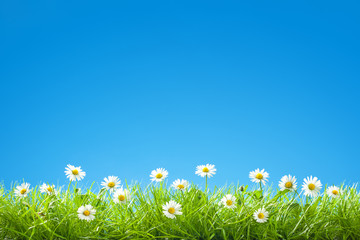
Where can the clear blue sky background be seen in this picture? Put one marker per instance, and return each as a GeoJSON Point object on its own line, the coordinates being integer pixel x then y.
{"type": "Point", "coordinates": [123, 87]}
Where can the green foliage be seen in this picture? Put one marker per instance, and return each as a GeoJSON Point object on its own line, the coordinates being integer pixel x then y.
{"type": "Point", "coordinates": [42, 216]}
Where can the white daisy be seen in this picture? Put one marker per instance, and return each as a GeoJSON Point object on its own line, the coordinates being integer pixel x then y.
{"type": "Point", "coordinates": [258, 176]}
{"type": "Point", "coordinates": [22, 190]}
{"type": "Point", "coordinates": [121, 196]}
{"type": "Point", "coordinates": [261, 215]}
{"type": "Point", "coordinates": [171, 209]}
{"type": "Point", "coordinates": [158, 175]}
{"type": "Point", "coordinates": [111, 183]}
{"type": "Point", "coordinates": [74, 173]}
{"type": "Point", "coordinates": [47, 188]}
{"type": "Point", "coordinates": [333, 191]}
{"type": "Point", "coordinates": [229, 201]}
{"type": "Point", "coordinates": [311, 186]}
{"type": "Point", "coordinates": [206, 170]}
{"type": "Point", "coordinates": [86, 212]}
{"type": "Point", "coordinates": [287, 182]}
{"type": "Point", "coordinates": [180, 184]}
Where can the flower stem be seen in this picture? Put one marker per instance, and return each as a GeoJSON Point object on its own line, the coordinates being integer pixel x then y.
{"type": "Point", "coordinates": [206, 184]}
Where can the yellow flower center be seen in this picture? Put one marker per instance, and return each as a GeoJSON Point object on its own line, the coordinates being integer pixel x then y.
{"type": "Point", "coordinates": [111, 184]}
{"type": "Point", "coordinates": [23, 191]}
{"type": "Point", "coordinates": [259, 176]}
{"type": "Point", "coordinates": [75, 172]}
{"type": "Point", "coordinates": [311, 186]}
{"type": "Point", "coordinates": [49, 189]}
{"type": "Point", "coordinates": [261, 215]}
{"type": "Point", "coordinates": [205, 169]}
{"type": "Point", "coordinates": [171, 210]}
{"type": "Point", "coordinates": [180, 186]}
{"type": "Point", "coordinates": [86, 213]}
{"type": "Point", "coordinates": [229, 202]}
{"type": "Point", "coordinates": [335, 192]}
{"type": "Point", "coordinates": [159, 175]}
{"type": "Point", "coordinates": [121, 197]}
{"type": "Point", "coordinates": [288, 184]}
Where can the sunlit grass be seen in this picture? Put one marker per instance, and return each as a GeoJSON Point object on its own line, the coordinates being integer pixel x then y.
{"type": "Point", "coordinates": [43, 215]}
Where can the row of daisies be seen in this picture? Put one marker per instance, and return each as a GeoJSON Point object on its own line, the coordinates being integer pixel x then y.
{"type": "Point", "coordinates": [311, 187]}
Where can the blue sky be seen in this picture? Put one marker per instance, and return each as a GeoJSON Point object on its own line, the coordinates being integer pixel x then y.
{"type": "Point", "coordinates": [123, 87]}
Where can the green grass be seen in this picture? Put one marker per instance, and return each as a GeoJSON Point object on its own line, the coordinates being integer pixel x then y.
{"type": "Point", "coordinates": [42, 216]}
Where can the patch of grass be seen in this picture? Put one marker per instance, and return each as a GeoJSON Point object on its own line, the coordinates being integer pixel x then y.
{"type": "Point", "coordinates": [291, 216]}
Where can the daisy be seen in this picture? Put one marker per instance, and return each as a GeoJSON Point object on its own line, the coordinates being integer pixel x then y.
{"type": "Point", "coordinates": [22, 190]}
{"type": "Point", "coordinates": [311, 186]}
{"type": "Point", "coordinates": [258, 176]}
{"type": "Point", "coordinates": [229, 201]}
{"type": "Point", "coordinates": [287, 182]}
{"type": "Point", "coordinates": [180, 184]}
{"type": "Point", "coordinates": [159, 174]}
{"type": "Point", "coordinates": [261, 215]}
{"type": "Point", "coordinates": [121, 196]}
{"type": "Point", "coordinates": [207, 170]}
{"type": "Point", "coordinates": [171, 209]}
{"type": "Point", "coordinates": [86, 213]}
{"type": "Point", "coordinates": [333, 191]}
{"type": "Point", "coordinates": [111, 183]}
{"type": "Point", "coordinates": [47, 188]}
{"type": "Point", "coordinates": [74, 173]}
